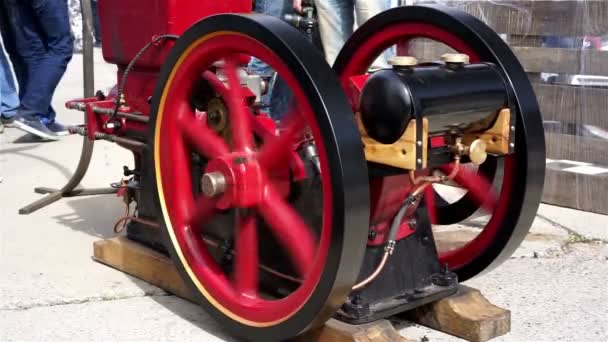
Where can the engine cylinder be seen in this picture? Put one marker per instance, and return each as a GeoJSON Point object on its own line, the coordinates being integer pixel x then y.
{"type": "Point", "coordinates": [465, 96]}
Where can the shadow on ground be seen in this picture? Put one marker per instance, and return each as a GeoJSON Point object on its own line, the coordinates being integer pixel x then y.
{"type": "Point", "coordinates": [96, 216]}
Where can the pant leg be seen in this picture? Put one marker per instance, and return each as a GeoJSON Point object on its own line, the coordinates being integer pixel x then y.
{"type": "Point", "coordinates": [44, 43]}
{"type": "Point", "coordinates": [53, 17]}
{"type": "Point", "coordinates": [9, 101]}
{"type": "Point", "coordinates": [7, 13]}
{"type": "Point", "coordinates": [279, 95]}
{"type": "Point", "coordinates": [366, 9]}
{"type": "Point", "coordinates": [336, 20]}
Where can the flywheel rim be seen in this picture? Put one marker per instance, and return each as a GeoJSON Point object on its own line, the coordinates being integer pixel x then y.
{"type": "Point", "coordinates": [520, 198]}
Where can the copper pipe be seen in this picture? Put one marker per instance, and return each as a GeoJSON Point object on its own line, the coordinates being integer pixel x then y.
{"type": "Point", "coordinates": [373, 276]}
{"type": "Point", "coordinates": [436, 179]}
{"type": "Point", "coordinates": [390, 245]}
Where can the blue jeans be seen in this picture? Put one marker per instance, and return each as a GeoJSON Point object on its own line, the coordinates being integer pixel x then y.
{"type": "Point", "coordinates": [337, 20]}
{"type": "Point", "coordinates": [9, 101]}
{"type": "Point", "coordinates": [38, 39]}
{"type": "Point", "coordinates": [279, 94]}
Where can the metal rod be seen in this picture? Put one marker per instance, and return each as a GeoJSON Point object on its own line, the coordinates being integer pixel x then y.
{"type": "Point", "coordinates": [131, 116]}
{"type": "Point", "coordinates": [88, 65]}
{"type": "Point", "coordinates": [78, 192]}
{"type": "Point", "coordinates": [119, 140]}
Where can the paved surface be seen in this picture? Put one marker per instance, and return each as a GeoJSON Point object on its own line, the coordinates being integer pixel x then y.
{"type": "Point", "coordinates": [556, 285]}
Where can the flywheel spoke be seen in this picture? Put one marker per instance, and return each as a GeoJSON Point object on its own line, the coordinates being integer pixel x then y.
{"type": "Point", "coordinates": [240, 123]}
{"type": "Point", "coordinates": [202, 138]}
{"type": "Point", "coordinates": [246, 259]}
{"type": "Point", "coordinates": [479, 188]}
{"type": "Point", "coordinates": [290, 230]}
{"type": "Point", "coordinates": [201, 212]}
{"type": "Point", "coordinates": [277, 149]}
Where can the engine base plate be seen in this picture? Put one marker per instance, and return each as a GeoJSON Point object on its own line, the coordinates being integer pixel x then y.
{"type": "Point", "coordinates": [411, 278]}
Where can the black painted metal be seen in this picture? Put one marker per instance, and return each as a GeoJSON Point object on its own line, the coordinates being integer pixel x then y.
{"type": "Point", "coordinates": [466, 97]}
{"type": "Point", "coordinates": [412, 277]}
{"type": "Point", "coordinates": [350, 200]}
{"type": "Point", "coordinates": [528, 175]}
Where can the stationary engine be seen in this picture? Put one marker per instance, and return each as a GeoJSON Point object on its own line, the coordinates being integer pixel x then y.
{"type": "Point", "coordinates": [332, 207]}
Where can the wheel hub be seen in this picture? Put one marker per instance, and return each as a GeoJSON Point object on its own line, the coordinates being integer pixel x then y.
{"type": "Point", "coordinates": [236, 179]}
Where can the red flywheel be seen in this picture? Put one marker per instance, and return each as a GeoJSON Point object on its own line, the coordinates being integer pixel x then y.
{"type": "Point", "coordinates": [256, 230]}
{"type": "Point", "coordinates": [507, 188]}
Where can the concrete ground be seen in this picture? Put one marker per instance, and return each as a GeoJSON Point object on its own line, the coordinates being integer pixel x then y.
{"type": "Point", "coordinates": [556, 285]}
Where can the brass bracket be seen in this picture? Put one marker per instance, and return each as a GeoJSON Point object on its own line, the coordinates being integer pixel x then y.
{"type": "Point", "coordinates": [400, 154]}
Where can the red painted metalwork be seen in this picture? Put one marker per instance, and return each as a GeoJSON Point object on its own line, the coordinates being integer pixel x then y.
{"type": "Point", "coordinates": [437, 141]}
{"type": "Point", "coordinates": [249, 184]}
{"type": "Point", "coordinates": [126, 28]}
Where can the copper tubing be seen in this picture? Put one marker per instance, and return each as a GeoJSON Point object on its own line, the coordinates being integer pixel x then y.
{"type": "Point", "coordinates": [373, 276]}
{"type": "Point", "coordinates": [390, 245]}
{"type": "Point", "coordinates": [436, 179]}
{"type": "Point", "coordinates": [125, 219]}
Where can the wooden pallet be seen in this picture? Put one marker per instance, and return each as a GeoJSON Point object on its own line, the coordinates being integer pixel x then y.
{"type": "Point", "coordinates": [467, 314]}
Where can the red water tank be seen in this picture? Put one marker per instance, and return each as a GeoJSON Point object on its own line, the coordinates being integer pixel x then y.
{"type": "Point", "coordinates": [127, 25]}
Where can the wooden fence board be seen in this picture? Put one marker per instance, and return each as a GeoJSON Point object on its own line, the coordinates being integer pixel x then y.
{"type": "Point", "coordinates": [537, 17]}
{"type": "Point", "coordinates": [578, 148]}
{"type": "Point", "coordinates": [563, 61]}
{"type": "Point", "coordinates": [533, 59]}
{"type": "Point", "coordinates": [570, 104]}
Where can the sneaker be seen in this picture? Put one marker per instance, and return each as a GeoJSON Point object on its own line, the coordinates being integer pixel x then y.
{"type": "Point", "coordinates": [35, 127]}
{"type": "Point", "coordinates": [58, 129]}
{"type": "Point", "coordinates": [7, 121]}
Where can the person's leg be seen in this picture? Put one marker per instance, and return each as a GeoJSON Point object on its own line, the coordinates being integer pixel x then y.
{"type": "Point", "coordinates": [336, 20]}
{"type": "Point", "coordinates": [278, 94]}
{"type": "Point", "coordinates": [27, 49]}
{"type": "Point", "coordinates": [9, 101]}
{"type": "Point", "coordinates": [366, 9]}
{"type": "Point", "coordinates": [96, 24]}
{"type": "Point", "coordinates": [52, 17]}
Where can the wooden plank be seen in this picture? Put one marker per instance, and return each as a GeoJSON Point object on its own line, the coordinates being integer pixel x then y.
{"type": "Point", "coordinates": [577, 191]}
{"type": "Point", "coordinates": [401, 153]}
{"type": "Point", "coordinates": [578, 148]}
{"type": "Point", "coordinates": [565, 61]}
{"type": "Point", "coordinates": [537, 17]}
{"type": "Point", "coordinates": [157, 269]}
{"type": "Point", "coordinates": [571, 104]}
{"type": "Point", "coordinates": [467, 314]}
{"type": "Point", "coordinates": [336, 331]}
{"type": "Point", "coordinates": [497, 138]}
{"type": "Point", "coordinates": [141, 262]}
